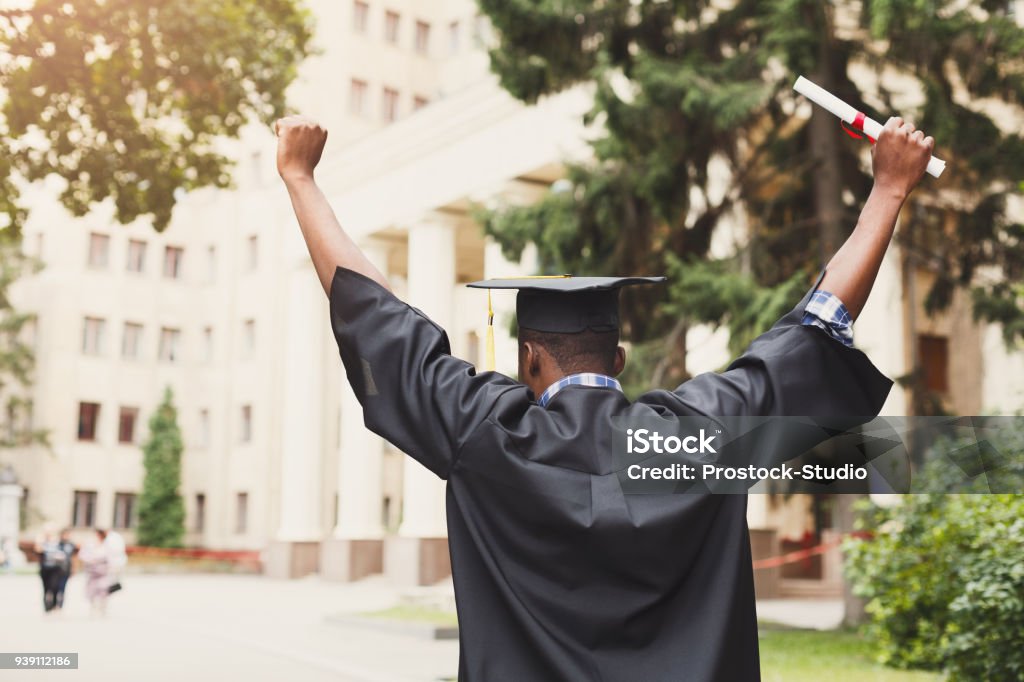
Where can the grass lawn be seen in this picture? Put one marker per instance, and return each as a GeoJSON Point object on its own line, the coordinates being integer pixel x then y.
{"type": "Point", "coordinates": [418, 614]}
{"type": "Point", "coordinates": [804, 655]}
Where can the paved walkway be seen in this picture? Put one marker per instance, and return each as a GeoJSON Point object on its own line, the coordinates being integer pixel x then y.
{"type": "Point", "coordinates": [812, 614]}
{"type": "Point", "coordinates": [212, 627]}
{"type": "Point", "coordinates": [192, 628]}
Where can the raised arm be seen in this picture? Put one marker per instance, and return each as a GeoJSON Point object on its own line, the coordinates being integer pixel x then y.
{"type": "Point", "coordinates": [300, 142]}
{"type": "Point", "coordinates": [898, 159]}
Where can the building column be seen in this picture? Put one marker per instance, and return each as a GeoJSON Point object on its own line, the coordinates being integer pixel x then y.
{"type": "Point", "coordinates": [419, 554]}
{"type": "Point", "coordinates": [295, 550]}
{"type": "Point", "coordinates": [10, 521]}
{"type": "Point", "coordinates": [356, 547]}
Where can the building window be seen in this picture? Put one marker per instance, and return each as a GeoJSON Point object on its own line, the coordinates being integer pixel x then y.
{"type": "Point", "coordinates": [126, 424]}
{"type": "Point", "coordinates": [131, 340]}
{"type": "Point", "coordinates": [389, 105]}
{"type": "Point", "coordinates": [136, 255]}
{"type": "Point", "coordinates": [360, 16]}
{"type": "Point", "coordinates": [173, 256]}
{"type": "Point", "coordinates": [241, 512]}
{"type": "Point", "coordinates": [211, 264]}
{"type": "Point", "coordinates": [203, 437]}
{"type": "Point", "coordinates": [83, 510]}
{"type": "Point", "coordinates": [124, 510]}
{"type": "Point", "coordinates": [246, 430]}
{"type": "Point", "coordinates": [207, 345]}
{"type": "Point", "coordinates": [422, 37]}
{"type": "Point", "coordinates": [88, 416]}
{"type": "Point", "coordinates": [357, 97]}
{"type": "Point", "coordinates": [253, 252]}
{"type": "Point", "coordinates": [200, 519]}
{"type": "Point", "coordinates": [170, 344]}
{"type": "Point", "coordinates": [933, 354]}
{"type": "Point", "coordinates": [391, 27]}
{"type": "Point", "coordinates": [92, 335]}
{"type": "Point", "coordinates": [99, 250]}
{"type": "Point", "coordinates": [418, 102]}
{"type": "Point", "coordinates": [248, 339]}
{"type": "Point", "coordinates": [454, 37]}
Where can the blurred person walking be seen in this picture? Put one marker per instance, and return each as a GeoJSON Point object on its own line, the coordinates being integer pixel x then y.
{"type": "Point", "coordinates": [117, 556]}
{"type": "Point", "coordinates": [51, 560]}
{"type": "Point", "coordinates": [97, 571]}
{"type": "Point", "coordinates": [67, 549]}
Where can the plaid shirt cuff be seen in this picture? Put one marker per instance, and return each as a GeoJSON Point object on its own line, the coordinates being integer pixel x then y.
{"type": "Point", "coordinates": [825, 311]}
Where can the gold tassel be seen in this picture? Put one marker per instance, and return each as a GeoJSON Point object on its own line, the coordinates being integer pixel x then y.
{"type": "Point", "coordinates": [489, 343]}
{"type": "Point", "coordinates": [489, 364]}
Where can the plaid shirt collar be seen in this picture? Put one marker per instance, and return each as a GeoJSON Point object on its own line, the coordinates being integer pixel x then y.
{"type": "Point", "coordinates": [582, 379]}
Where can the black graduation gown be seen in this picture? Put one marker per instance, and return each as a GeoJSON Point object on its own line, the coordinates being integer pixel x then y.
{"type": "Point", "coordinates": [559, 575]}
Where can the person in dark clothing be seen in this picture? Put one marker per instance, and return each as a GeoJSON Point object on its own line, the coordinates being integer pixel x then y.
{"type": "Point", "coordinates": [558, 574]}
{"type": "Point", "coordinates": [67, 549]}
{"type": "Point", "coordinates": [51, 563]}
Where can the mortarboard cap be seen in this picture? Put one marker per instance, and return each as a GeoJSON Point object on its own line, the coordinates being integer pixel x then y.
{"type": "Point", "coordinates": [562, 303]}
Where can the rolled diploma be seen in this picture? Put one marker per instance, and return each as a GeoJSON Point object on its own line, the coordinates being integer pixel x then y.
{"type": "Point", "coordinates": [847, 113]}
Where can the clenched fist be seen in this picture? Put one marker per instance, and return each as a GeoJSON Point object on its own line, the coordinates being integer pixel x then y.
{"type": "Point", "coordinates": [900, 156]}
{"type": "Point", "coordinates": [300, 142]}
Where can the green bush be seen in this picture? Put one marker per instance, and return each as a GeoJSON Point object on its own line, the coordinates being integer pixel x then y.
{"type": "Point", "coordinates": [943, 577]}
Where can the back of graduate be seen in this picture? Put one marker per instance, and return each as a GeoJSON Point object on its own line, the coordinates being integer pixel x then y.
{"type": "Point", "coordinates": [558, 574]}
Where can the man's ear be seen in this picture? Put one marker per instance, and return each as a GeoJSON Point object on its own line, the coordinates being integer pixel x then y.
{"type": "Point", "coordinates": [620, 361]}
{"type": "Point", "coordinates": [531, 359]}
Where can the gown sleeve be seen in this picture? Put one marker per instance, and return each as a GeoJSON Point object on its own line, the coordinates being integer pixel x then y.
{"type": "Point", "coordinates": [399, 363]}
{"type": "Point", "coordinates": [792, 369]}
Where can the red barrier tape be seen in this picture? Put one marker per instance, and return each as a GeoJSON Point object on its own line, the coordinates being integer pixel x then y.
{"type": "Point", "coordinates": [801, 554]}
{"type": "Point", "coordinates": [234, 556]}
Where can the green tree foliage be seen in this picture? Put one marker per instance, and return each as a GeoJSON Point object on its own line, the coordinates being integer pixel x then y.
{"type": "Point", "coordinates": [161, 510]}
{"type": "Point", "coordinates": [17, 358]}
{"type": "Point", "coordinates": [682, 85]}
{"type": "Point", "coordinates": [944, 580]}
{"type": "Point", "coordinates": [126, 100]}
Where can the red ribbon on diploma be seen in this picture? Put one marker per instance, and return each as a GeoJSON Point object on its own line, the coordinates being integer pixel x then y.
{"type": "Point", "coordinates": [858, 123]}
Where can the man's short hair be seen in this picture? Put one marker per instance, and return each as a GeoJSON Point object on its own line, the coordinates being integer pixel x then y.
{"type": "Point", "coordinates": [586, 351]}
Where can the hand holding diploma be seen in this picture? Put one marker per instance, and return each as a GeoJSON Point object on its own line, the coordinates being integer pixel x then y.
{"type": "Point", "coordinates": [854, 118]}
{"type": "Point", "coordinates": [900, 157]}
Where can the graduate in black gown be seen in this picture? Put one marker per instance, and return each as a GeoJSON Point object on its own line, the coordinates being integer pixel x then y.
{"type": "Point", "coordinates": [558, 574]}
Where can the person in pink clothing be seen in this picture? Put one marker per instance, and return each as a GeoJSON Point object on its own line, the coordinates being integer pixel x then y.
{"type": "Point", "coordinates": [97, 571]}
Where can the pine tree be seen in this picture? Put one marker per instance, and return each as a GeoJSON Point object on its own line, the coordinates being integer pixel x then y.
{"type": "Point", "coordinates": [683, 85]}
{"type": "Point", "coordinates": [161, 510]}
